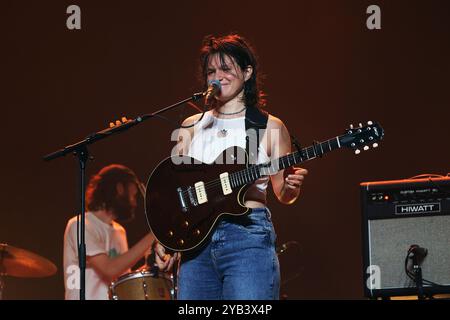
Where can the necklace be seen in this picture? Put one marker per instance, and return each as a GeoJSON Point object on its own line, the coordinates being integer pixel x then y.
{"type": "Point", "coordinates": [229, 114]}
{"type": "Point", "coordinates": [224, 132]}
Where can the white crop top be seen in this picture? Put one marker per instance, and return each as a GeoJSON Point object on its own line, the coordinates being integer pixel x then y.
{"type": "Point", "coordinates": [213, 135]}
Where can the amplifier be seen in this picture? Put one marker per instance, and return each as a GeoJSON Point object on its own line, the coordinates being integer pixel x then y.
{"type": "Point", "coordinates": [400, 217]}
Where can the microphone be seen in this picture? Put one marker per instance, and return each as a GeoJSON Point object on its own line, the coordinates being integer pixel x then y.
{"type": "Point", "coordinates": [418, 252]}
{"type": "Point", "coordinates": [282, 248]}
{"type": "Point", "coordinates": [279, 250]}
{"type": "Point", "coordinates": [214, 87]}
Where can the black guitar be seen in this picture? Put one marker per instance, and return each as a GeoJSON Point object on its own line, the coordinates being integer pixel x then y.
{"type": "Point", "coordinates": [185, 198]}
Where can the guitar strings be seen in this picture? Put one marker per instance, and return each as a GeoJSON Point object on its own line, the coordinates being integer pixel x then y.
{"type": "Point", "coordinates": [239, 175]}
{"type": "Point", "coordinates": [242, 175]}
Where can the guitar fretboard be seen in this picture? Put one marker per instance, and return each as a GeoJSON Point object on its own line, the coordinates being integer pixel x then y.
{"type": "Point", "coordinates": [255, 172]}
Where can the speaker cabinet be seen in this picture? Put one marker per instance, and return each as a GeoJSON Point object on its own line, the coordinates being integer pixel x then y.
{"type": "Point", "coordinates": [396, 216]}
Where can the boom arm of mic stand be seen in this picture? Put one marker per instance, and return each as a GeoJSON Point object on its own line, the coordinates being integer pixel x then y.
{"type": "Point", "coordinates": [76, 147]}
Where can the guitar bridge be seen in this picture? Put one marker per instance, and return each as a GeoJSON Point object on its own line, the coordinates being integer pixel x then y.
{"type": "Point", "coordinates": [192, 196]}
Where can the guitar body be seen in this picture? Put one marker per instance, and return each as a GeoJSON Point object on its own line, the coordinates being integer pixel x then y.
{"type": "Point", "coordinates": [182, 230]}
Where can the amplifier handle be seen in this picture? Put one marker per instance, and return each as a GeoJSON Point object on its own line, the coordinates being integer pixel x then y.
{"type": "Point", "coordinates": [427, 175]}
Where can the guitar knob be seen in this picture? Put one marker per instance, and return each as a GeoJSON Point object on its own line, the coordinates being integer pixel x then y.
{"type": "Point", "coordinates": [186, 224]}
{"type": "Point", "coordinates": [369, 123]}
{"type": "Point", "coordinates": [360, 125]}
{"type": "Point", "coordinates": [366, 148]}
{"type": "Point", "coordinates": [357, 151]}
{"type": "Point", "coordinates": [197, 232]}
{"type": "Point", "coordinates": [375, 145]}
{"type": "Point", "coordinates": [170, 233]}
{"type": "Point", "coordinates": [181, 242]}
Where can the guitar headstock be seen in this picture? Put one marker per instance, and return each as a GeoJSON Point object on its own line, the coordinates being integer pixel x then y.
{"type": "Point", "coordinates": [362, 137]}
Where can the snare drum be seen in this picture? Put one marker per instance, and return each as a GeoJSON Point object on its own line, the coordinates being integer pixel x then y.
{"type": "Point", "coordinates": [142, 285]}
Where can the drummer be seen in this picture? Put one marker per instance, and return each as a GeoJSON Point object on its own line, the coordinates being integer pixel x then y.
{"type": "Point", "coordinates": [110, 199]}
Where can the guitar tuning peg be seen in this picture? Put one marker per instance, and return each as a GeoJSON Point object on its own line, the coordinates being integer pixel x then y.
{"type": "Point", "coordinates": [124, 119]}
{"type": "Point", "coordinates": [375, 145]}
{"type": "Point", "coordinates": [357, 151]}
{"type": "Point", "coordinates": [366, 148]}
{"type": "Point", "coordinates": [351, 126]}
{"type": "Point", "coordinates": [111, 124]}
{"type": "Point", "coordinates": [118, 123]}
{"type": "Point", "coordinates": [369, 123]}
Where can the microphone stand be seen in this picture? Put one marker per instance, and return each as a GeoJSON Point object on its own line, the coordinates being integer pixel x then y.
{"type": "Point", "coordinates": [418, 277]}
{"type": "Point", "coordinates": [80, 150]}
{"type": "Point", "coordinates": [2, 272]}
{"type": "Point", "coordinates": [175, 279]}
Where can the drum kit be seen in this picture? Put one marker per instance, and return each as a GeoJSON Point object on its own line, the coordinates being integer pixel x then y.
{"type": "Point", "coordinates": [15, 262]}
{"type": "Point", "coordinates": [143, 284]}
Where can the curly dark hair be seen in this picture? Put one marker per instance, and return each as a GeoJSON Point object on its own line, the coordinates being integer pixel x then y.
{"type": "Point", "coordinates": [235, 46]}
{"type": "Point", "coordinates": [101, 192]}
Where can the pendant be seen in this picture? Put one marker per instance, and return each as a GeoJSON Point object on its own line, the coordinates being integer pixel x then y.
{"type": "Point", "coordinates": [222, 133]}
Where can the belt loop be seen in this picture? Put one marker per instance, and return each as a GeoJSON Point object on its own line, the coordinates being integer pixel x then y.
{"type": "Point", "coordinates": [268, 214]}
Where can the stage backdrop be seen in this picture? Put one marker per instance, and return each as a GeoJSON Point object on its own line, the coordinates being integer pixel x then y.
{"type": "Point", "coordinates": [324, 69]}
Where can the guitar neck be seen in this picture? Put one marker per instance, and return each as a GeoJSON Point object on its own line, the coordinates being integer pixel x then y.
{"type": "Point", "coordinates": [255, 172]}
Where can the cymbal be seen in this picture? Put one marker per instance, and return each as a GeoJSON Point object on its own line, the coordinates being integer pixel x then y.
{"type": "Point", "coordinates": [24, 264]}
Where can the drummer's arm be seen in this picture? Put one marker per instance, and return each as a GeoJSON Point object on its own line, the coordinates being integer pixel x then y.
{"type": "Point", "coordinates": [111, 268]}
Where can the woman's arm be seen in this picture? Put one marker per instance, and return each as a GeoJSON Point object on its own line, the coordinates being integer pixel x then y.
{"type": "Point", "coordinates": [286, 183]}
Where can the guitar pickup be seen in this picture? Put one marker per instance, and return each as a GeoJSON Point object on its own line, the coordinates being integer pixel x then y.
{"type": "Point", "coordinates": [225, 182]}
{"type": "Point", "coordinates": [200, 192]}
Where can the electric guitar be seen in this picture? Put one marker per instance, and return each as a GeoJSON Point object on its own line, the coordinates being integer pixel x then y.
{"type": "Point", "coordinates": [185, 198]}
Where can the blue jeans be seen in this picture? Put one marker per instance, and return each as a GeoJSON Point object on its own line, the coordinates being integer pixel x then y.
{"type": "Point", "coordinates": [238, 263]}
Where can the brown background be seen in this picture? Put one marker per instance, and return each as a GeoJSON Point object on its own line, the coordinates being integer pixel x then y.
{"type": "Point", "coordinates": [324, 70]}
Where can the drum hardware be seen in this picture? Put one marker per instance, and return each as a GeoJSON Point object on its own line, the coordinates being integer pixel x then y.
{"type": "Point", "coordinates": [283, 253]}
{"type": "Point", "coordinates": [142, 285]}
{"type": "Point", "coordinates": [21, 263]}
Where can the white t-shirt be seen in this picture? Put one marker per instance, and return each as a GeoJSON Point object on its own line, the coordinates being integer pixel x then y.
{"type": "Point", "coordinates": [100, 238]}
{"type": "Point", "coordinates": [213, 135]}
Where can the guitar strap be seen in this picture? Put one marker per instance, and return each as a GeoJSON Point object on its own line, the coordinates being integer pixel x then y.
{"type": "Point", "coordinates": [255, 124]}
